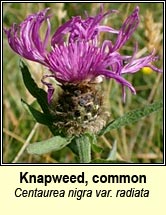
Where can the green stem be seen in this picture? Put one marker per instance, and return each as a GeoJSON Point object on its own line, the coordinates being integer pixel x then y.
{"type": "Point", "coordinates": [84, 148]}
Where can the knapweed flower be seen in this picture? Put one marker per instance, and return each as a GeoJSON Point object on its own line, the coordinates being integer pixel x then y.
{"type": "Point", "coordinates": [79, 60]}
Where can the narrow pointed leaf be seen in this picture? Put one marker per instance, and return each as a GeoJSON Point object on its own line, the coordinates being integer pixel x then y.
{"type": "Point", "coordinates": [73, 147]}
{"type": "Point", "coordinates": [32, 87]}
{"type": "Point", "coordinates": [39, 117]}
{"type": "Point", "coordinates": [53, 144]}
{"type": "Point", "coordinates": [132, 117]}
{"type": "Point", "coordinates": [96, 148]}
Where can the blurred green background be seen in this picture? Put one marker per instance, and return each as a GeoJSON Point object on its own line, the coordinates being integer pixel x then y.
{"type": "Point", "coordinates": [141, 142]}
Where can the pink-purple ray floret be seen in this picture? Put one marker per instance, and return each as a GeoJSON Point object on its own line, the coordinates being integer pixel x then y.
{"type": "Point", "coordinates": [77, 53]}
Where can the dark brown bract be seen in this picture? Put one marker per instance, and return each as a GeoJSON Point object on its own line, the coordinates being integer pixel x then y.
{"type": "Point", "coordinates": [79, 108]}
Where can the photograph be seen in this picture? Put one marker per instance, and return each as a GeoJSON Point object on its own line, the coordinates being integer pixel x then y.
{"type": "Point", "coordinates": [82, 83]}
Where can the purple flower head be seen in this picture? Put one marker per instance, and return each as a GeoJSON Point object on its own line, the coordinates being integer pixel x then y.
{"type": "Point", "coordinates": [77, 53]}
{"type": "Point", "coordinates": [25, 40]}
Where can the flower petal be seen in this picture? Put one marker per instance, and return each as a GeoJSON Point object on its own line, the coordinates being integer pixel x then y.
{"type": "Point", "coordinates": [82, 29]}
{"type": "Point", "coordinates": [58, 37]}
{"type": "Point", "coordinates": [50, 90]}
{"type": "Point", "coordinates": [75, 62]}
{"type": "Point", "coordinates": [127, 29]}
{"type": "Point", "coordinates": [135, 65]}
{"type": "Point", "coordinates": [119, 79]}
{"type": "Point", "coordinates": [25, 40]}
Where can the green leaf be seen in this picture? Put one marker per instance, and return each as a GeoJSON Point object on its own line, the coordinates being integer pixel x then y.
{"type": "Point", "coordinates": [53, 144]}
{"type": "Point", "coordinates": [41, 118]}
{"type": "Point", "coordinates": [93, 141]}
{"type": "Point", "coordinates": [32, 87]}
{"type": "Point", "coordinates": [41, 97]}
{"type": "Point", "coordinates": [131, 117]}
{"type": "Point", "coordinates": [107, 161]}
{"type": "Point", "coordinates": [73, 147]}
{"type": "Point", "coordinates": [96, 148]}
